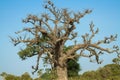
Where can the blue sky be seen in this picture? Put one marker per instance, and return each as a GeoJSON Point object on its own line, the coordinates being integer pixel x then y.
{"type": "Point", "coordinates": [105, 15]}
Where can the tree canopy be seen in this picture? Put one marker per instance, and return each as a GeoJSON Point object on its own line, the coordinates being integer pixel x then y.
{"type": "Point", "coordinates": [49, 34]}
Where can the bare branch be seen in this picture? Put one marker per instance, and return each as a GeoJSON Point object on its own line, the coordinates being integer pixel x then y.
{"type": "Point", "coordinates": [104, 49]}
{"type": "Point", "coordinates": [107, 40]}
{"type": "Point", "coordinates": [37, 65]}
{"type": "Point", "coordinates": [48, 26]}
{"type": "Point", "coordinates": [50, 6]}
{"type": "Point", "coordinates": [75, 48]}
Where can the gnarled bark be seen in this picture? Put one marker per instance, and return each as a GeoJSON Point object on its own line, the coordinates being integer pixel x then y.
{"type": "Point", "coordinates": [61, 73]}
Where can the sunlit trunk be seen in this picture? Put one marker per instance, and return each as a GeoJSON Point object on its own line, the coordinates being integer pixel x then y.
{"type": "Point", "coordinates": [62, 73]}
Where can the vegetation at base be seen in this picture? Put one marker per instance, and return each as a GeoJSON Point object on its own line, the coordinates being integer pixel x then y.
{"type": "Point", "coordinates": [108, 72]}
{"type": "Point", "coordinates": [24, 76]}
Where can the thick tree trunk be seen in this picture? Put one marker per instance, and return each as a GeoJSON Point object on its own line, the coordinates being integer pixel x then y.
{"type": "Point", "coordinates": [62, 73]}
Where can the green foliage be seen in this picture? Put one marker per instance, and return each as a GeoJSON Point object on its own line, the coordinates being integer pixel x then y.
{"type": "Point", "coordinates": [67, 48]}
{"type": "Point", "coordinates": [27, 52]}
{"type": "Point", "coordinates": [116, 60]}
{"type": "Point", "coordinates": [49, 74]}
{"type": "Point", "coordinates": [33, 48]}
{"type": "Point", "coordinates": [108, 72]}
{"type": "Point", "coordinates": [9, 76]}
{"type": "Point", "coordinates": [73, 68]}
{"type": "Point", "coordinates": [25, 76]}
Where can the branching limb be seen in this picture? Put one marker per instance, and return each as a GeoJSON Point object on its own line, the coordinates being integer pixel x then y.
{"type": "Point", "coordinates": [31, 19]}
{"type": "Point", "coordinates": [37, 65]}
{"type": "Point", "coordinates": [20, 40]}
{"type": "Point", "coordinates": [87, 38]}
{"type": "Point", "coordinates": [50, 6]}
{"type": "Point", "coordinates": [107, 40]}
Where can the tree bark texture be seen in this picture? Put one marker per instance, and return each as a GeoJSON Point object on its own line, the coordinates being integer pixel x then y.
{"type": "Point", "coordinates": [62, 73]}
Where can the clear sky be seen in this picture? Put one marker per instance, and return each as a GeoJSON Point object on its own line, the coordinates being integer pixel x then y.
{"type": "Point", "coordinates": [105, 15]}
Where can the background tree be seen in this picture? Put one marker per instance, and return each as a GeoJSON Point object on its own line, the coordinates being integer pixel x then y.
{"type": "Point", "coordinates": [49, 34]}
{"type": "Point", "coordinates": [24, 76]}
{"type": "Point", "coordinates": [108, 72]}
{"type": "Point", "coordinates": [9, 76]}
{"type": "Point", "coordinates": [73, 67]}
{"type": "Point", "coordinates": [116, 60]}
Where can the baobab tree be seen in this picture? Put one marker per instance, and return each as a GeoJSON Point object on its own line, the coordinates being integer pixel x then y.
{"type": "Point", "coordinates": [49, 34]}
